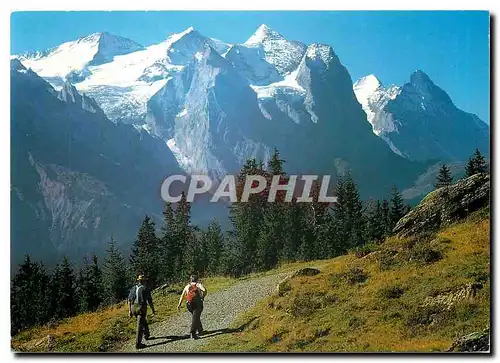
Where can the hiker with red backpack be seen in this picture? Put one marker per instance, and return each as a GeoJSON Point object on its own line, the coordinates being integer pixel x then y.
{"type": "Point", "coordinates": [194, 292]}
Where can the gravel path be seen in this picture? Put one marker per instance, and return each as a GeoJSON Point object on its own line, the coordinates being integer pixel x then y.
{"type": "Point", "coordinates": [220, 310]}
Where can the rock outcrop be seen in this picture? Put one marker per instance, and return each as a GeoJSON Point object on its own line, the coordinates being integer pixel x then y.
{"type": "Point", "coordinates": [449, 298]}
{"type": "Point", "coordinates": [474, 342]}
{"type": "Point", "coordinates": [446, 205]}
{"type": "Point", "coordinates": [306, 271]}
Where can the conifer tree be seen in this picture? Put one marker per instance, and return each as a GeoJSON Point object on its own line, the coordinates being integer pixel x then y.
{"type": "Point", "coordinates": [307, 249]}
{"type": "Point", "coordinates": [348, 222]}
{"type": "Point", "coordinates": [386, 217]}
{"type": "Point", "coordinates": [89, 285]}
{"type": "Point", "coordinates": [397, 207]}
{"type": "Point", "coordinates": [115, 275]}
{"type": "Point", "coordinates": [213, 247]}
{"type": "Point", "coordinates": [295, 227]}
{"type": "Point", "coordinates": [144, 258]}
{"type": "Point", "coordinates": [375, 229]}
{"type": "Point", "coordinates": [476, 164]}
{"type": "Point", "coordinates": [246, 219]}
{"type": "Point", "coordinates": [444, 177]}
{"type": "Point", "coordinates": [64, 303]}
{"type": "Point", "coordinates": [355, 220]}
{"type": "Point", "coordinates": [185, 243]}
{"type": "Point", "coordinates": [275, 164]}
{"type": "Point", "coordinates": [195, 261]}
{"type": "Point", "coordinates": [271, 232]}
{"type": "Point", "coordinates": [273, 226]}
{"type": "Point", "coordinates": [29, 298]}
{"type": "Point", "coordinates": [168, 245]}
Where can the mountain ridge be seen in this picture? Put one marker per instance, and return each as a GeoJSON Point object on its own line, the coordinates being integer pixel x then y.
{"type": "Point", "coordinates": [419, 120]}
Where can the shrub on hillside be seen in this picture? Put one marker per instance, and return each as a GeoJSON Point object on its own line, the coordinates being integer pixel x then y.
{"type": "Point", "coordinates": [391, 292]}
{"type": "Point", "coordinates": [424, 253]}
{"type": "Point", "coordinates": [306, 304]}
{"type": "Point", "coordinates": [364, 250]}
{"type": "Point", "coordinates": [386, 259]}
{"type": "Point", "coordinates": [351, 277]}
{"type": "Point", "coordinates": [422, 317]}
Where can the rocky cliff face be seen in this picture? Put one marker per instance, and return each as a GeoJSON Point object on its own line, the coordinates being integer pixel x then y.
{"type": "Point", "coordinates": [419, 121]}
{"type": "Point", "coordinates": [446, 205]}
{"type": "Point", "coordinates": [76, 177]}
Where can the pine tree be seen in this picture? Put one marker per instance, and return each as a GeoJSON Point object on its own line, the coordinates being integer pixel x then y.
{"type": "Point", "coordinates": [186, 245]}
{"type": "Point", "coordinates": [397, 207]}
{"type": "Point", "coordinates": [195, 261]}
{"type": "Point", "coordinates": [275, 164]}
{"type": "Point", "coordinates": [444, 177]}
{"type": "Point", "coordinates": [29, 300]}
{"type": "Point", "coordinates": [295, 227]}
{"type": "Point", "coordinates": [308, 249]}
{"type": "Point", "coordinates": [374, 228]}
{"type": "Point", "coordinates": [481, 166]}
{"type": "Point", "coordinates": [476, 164]}
{"type": "Point", "coordinates": [64, 303]}
{"type": "Point", "coordinates": [355, 213]}
{"type": "Point", "coordinates": [271, 233]}
{"type": "Point", "coordinates": [348, 221]}
{"type": "Point", "coordinates": [144, 258]}
{"type": "Point", "coordinates": [115, 275]}
{"type": "Point", "coordinates": [168, 246]}
{"type": "Point", "coordinates": [273, 226]}
{"type": "Point", "coordinates": [90, 285]}
{"type": "Point", "coordinates": [386, 218]}
{"type": "Point", "coordinates": [213, 247]}
{"type": "Point", "coordinates": [246, 219]}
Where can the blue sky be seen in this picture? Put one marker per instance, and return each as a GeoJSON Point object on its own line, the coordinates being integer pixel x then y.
{"type": "Point", "coordinates": [451, 47]}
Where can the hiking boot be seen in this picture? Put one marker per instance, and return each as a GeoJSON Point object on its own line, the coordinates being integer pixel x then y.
{"type": "Point", "coordinates": [194, 336]}
{"type": "Point", "coordinates": [201, 332]}
{"type": "Point", "coordinates": [140, 346]}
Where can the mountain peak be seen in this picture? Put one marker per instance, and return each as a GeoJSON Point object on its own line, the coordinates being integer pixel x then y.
{"type": "Point", "coordinates": [16, 65]}
{"type": "Point", "coordinates": [321, 53]}
{"type": "Point", "coordinates": [263, 33]}
{"type": "Point", "coordinates": [419, 77]}
{"type": "Point", "coordinates": [369, 82]}
{"type": "Point", "coordinates": [188, 30]}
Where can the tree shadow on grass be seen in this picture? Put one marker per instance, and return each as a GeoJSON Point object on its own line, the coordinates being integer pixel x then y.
{"type": "Point", "coordinates": [206, 334]}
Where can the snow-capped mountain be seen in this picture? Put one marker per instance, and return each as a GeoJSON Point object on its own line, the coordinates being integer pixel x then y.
{"type": "Point", "coordinates": [118, 73]}
{"type": "Point", "coordinates": [76, 177]}
{"type": "Point", "coordinates": [71, 59]}
{"type": "Point", "coordinates": [216, 104]}
{"type": "Point", "coordinates": [419, 120]}
{"type": "Point", "coordinates": [285, 55]}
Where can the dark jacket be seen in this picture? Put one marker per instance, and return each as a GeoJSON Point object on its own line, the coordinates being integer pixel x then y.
{"type": "Point", "coordinates": [140, 296]}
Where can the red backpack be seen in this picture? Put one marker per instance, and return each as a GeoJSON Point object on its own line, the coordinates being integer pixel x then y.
{"type": "Point", "coordinates": [193, 295]}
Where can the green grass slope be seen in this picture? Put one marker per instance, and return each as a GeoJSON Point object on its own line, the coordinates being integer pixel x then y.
{"type": "Point", "coordinates": [406, 295]}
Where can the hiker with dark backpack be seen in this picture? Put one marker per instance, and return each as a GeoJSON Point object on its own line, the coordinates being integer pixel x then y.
{"type": "Point", "coordinates": [138, 300]}
{"type": "Point", "coordinates": [194, 293]}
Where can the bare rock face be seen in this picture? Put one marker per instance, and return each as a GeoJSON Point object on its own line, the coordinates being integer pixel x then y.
{"type": "Point", "coordinates": [446, 205]}
{"type": "Point", "coordinates": [474, 342]}
{"type": "Point", "coordinates": [449, 298]}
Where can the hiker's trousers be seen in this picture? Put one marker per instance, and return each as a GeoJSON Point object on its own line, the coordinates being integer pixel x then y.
{"type": "Point", "coordinates": [196, 317]}
{"type": "Point", "coordinates": [142, 328]}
